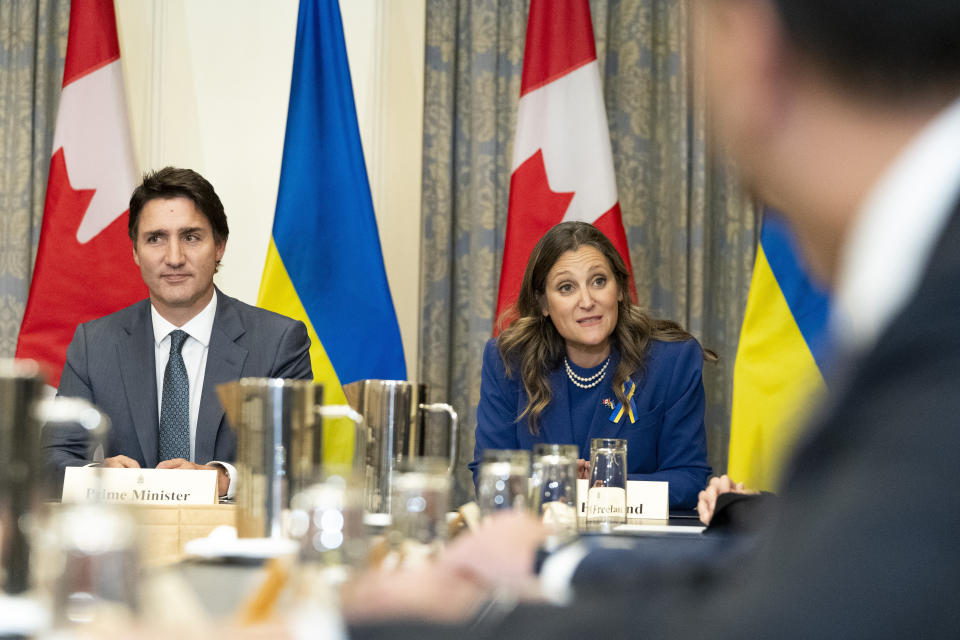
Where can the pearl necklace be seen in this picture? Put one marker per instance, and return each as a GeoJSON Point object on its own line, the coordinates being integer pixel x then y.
{"type": "Point", "coordinates": [586, 382]}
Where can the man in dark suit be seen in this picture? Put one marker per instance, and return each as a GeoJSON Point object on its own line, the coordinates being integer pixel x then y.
{"type": "Point", "coordinates": [844, 115]}
{"type": "Point", "coordinates": [153, 367]}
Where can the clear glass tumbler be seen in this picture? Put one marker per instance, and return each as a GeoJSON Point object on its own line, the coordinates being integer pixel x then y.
{"type": "Point", "coordinates": [607, 489]}
{"type": "Point", "coordinates": [504, 480]}
{"type": "Point", "coordinates": [554, 486]}
{"type": "Point", "coordinates": [327, 518]}
{"type": "Point", "coordinates": [420, 500]}
{"type": "Point", "coordinates": [89, 566]}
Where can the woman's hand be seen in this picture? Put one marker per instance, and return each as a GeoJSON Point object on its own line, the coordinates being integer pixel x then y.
{"type": "Point", "coordinates": [583, 469]}
{"type": "Point", "coordinates": [707, 501]}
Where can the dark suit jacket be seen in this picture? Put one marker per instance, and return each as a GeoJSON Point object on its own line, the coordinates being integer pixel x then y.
{"type": "Point", "coordinates": [110, 362]}
{"type": "Point", "coordinates": [666, 443]}
{"type": "Point", "coordinates": [865, 542]}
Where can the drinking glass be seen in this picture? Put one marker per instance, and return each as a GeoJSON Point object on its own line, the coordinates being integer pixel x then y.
{"type": "Point", "coordinates": [554, 486]}
{"type": "Point", "coordinates": [327, 518]}
{"type": "Point", "coordinates": [504, 480]}
{"type": "Point", "coordinates": [89, 565]}
{"type": "Point", "coordinates": [607, 489]}
{"type": "Point", "coordinates": [419, 502]}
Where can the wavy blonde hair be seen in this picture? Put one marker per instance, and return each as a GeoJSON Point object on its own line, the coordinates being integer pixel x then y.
{"type": "Point", "coordinates": [531, 341]}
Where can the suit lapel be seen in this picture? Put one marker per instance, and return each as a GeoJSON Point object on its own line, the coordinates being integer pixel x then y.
{"type": "Point", "coordinates": [555, 424]}
{"type": "Point", "coordinates": [225, 360]}
{"type": "Point", "coordinates": [135, 352]}
{"type": "Point", "coordinates": [600, 425]}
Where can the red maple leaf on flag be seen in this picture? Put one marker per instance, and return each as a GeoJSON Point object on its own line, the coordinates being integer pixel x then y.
{"type": "Point", "coordinates": [84, 267]}
{"type": "Point", "coordinates": [563, 163]}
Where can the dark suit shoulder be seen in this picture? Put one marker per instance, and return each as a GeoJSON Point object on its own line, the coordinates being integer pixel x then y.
{"type": "Point", "coordinates": [662, 349]}
{"type": "Point", "coordinates": [277, 346]}
{"type": "Point", "coordinates": [491, 354]}
{"type": "Point", "coordinates": [108, 326]}
{"type": "Point", "coordinates": [255, 315]}
{"type": "Point", "coordinates": [493, 362]}
{"type": "Point", "coordinates": [670, 368]}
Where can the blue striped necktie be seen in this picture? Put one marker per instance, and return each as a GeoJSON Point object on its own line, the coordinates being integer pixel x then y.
{"type": "Point", "coordinates": [175, 403]}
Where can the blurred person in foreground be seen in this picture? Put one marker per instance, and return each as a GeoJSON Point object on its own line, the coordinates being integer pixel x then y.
{"type": "Point", "coordinates": [580, 361]}
{"type": "Point", "coordinates": [844, 114]}
{"type": "Point", "coordinates": [153, 367]}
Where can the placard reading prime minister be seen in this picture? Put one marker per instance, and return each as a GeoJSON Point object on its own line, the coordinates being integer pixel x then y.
{"type": "Point", "coordinates": [153, 367]}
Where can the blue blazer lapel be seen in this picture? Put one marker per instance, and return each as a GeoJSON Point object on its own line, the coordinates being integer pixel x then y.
{"type": "Point", "coordinates": [135, 351]}
{"type": "Point", "coordinates": [600, 426]}
{"type": "Point", "coordinates": [225, 360]}
{"type": "Point", "coordinates": [555, 425]}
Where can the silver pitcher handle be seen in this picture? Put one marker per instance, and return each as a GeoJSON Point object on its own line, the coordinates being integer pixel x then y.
{"type": "Point", "coordinates": [454, 427]}
{"type": "Point", "coordinates": [360, 431]}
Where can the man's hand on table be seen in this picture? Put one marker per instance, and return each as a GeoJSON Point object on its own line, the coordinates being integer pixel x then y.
{"type": "Point", "coordinates": [707, 500]}
{"type": "Point", "coordinates": [121, 462]}
{"type": "Point", "coordinates": [223, 479]}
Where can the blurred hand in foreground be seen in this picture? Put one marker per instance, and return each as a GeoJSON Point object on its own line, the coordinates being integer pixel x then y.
{"type": "Point", "coordinates": [500, 553]}
{"type": "Point", "coordinates": [497, 557]}
{"type": "Point", "coordinates": [431, 592]}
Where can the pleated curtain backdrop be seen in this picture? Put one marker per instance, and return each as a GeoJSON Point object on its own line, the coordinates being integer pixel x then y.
{"type": "Point", "coordinates": [692, 233]}
{"type": "Point", "coordinates": [33, 43]}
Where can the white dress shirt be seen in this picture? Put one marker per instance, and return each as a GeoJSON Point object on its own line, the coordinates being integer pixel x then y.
{"type": "Point", "coordinates": [894, 233]}
{"type": "Point", "coordinates": [194, 352]}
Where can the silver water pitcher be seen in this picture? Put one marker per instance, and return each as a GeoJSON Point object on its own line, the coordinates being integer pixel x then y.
{"type": "Point", "coordinates": [395, 412]}
{"type": "Point", "coordinates": [279, 427]}
{"type": "Point", "coordinates": [21, 386]}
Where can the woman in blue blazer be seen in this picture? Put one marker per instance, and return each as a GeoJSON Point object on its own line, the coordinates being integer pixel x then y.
{"type": "Point", "coordinates": [579, 361]}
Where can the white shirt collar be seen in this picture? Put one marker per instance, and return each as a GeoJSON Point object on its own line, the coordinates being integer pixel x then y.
{"type": "Point", "coordinates": [199, 327]}
{"type": "Point", "coordinates": [894, 232]}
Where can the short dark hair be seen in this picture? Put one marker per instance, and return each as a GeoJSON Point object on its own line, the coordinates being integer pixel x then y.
{"type": "Point", "coordinates": [171, 182]}
{"type": "Point", "coordinates": [879, 48]}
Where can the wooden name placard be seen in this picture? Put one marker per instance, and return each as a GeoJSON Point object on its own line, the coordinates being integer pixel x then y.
{"type": "Point", "coordinates": [140, 486]}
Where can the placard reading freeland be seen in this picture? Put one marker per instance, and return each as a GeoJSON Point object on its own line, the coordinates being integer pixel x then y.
{"type": "Point", "coordinates": [645, 499]}
{"type": "Point", "coordinates": [139, 486]}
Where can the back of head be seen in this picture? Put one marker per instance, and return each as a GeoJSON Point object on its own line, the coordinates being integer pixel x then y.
{"type": "Point", "coordinates": [172, 182]}
{"type": "Point", "coordinates": [894, 50]}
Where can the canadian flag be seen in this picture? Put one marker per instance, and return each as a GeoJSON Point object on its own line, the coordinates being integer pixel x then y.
{"type": "Point", "coordinates": [562, 162]}
{"type": "Point", "coordinates": [84, 267]}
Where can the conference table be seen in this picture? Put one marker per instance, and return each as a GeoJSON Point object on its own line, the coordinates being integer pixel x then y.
{"type": "Point", "coordinates": [220, 592]}
{"type": "Point", "coordinates": [222, 585]}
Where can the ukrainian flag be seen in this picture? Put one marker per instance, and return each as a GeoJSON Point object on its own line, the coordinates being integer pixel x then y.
{"type": "Point", "coordinates": [779, 366]}
{"type": "Point", "coordinates": [324, 265]}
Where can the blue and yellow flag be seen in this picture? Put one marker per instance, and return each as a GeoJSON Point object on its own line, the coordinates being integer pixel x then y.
{"type": "Point", "coordinates": [779, 367]}
{"type": "Point", "coordinates": [324, 265]}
